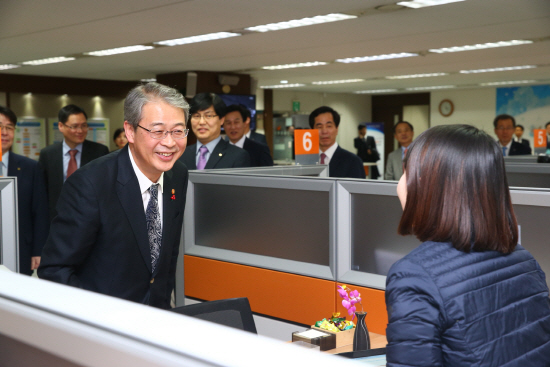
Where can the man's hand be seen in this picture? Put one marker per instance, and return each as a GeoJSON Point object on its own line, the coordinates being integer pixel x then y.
{"type": "Point", "coordinates": [35, 262]}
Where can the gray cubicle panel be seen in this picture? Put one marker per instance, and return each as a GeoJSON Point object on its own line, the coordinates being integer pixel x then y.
{"type": "Point", "coordinates": [275, 222]}
{"type": "Point", "coordinates": [43, 323]}
{"type": "Point", "coordinates": [9, 238]}
{"type": "Point", "coordinates": [528, 174]}
{"type": "Point", "coordinates": [314, 170]}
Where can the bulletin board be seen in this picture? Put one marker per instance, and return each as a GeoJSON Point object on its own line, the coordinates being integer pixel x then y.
{"type": "Point", "coordinates": [30, 137]}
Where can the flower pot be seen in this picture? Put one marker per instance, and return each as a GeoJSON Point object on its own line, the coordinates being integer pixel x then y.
{"type": "Point", "coordinates": [361, 339]}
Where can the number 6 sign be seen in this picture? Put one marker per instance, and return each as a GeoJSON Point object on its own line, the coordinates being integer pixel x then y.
{"type": "Point", "coordinates": [306, 146]}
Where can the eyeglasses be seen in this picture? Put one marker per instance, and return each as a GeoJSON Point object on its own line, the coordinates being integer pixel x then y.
{"type": "Point", "coordinates": [77, 127]}
{"type": "Point", "coordinates": [161, 134]}
{"type": "Point", "coordinates": [7, 128]}
{"type": "Point", "coordinates": [505, 128]}
{"type": "Point", "coordinates": [208, 117]}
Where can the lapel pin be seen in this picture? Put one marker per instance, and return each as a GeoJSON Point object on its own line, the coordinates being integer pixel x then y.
{"type": "Point", "coordinates": [220, 154]}
{"type": "Point", "coordinates": [173, 197]}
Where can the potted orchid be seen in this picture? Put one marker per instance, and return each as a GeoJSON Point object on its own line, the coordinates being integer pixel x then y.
{"type": "Point", "coordinates": [361, 339]}
{"type": "Point", "coordinates": [350, 299]}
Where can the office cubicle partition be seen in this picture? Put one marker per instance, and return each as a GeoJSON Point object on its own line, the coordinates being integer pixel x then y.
{"type": "Point", "coordinates": [528, 174]}
{"type": "Point", "coordinates": [9, 231]}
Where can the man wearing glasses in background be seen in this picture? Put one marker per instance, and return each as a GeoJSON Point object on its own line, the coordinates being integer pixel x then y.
{"type": "Point", "coordinates": [207, 112]}
{"type": "Point", "coordinates": [505, 125]}
{"type": "Point", "coordinates": [60, 160]}
{"type": "Point", "coordinates": [120, 217]}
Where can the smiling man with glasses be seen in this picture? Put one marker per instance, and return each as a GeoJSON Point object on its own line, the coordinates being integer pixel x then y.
{"type": "Point", "coordinates": [120, 217]}
{"type": "Point", "coordinates": [60, 160]}
{"type": "Point", "coordinates": [505, 126]}
{"type": "Point", "coordinates": [207, 112]}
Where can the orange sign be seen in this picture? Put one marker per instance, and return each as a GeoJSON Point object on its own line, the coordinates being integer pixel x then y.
{"type": "Point", "coordinates": [540, 138]}
{"type": "Point", "coordinates": [306, 141]}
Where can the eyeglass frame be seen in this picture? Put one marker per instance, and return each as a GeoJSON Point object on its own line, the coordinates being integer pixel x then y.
{"type": "Point", "coordinates": [8, 128]}
{"type": "Point", "coordinates": [166, 132]}
{"type": "Point", "coordinates": [209, 118]}
{"type": "Point", "coordinates": [82, 127]}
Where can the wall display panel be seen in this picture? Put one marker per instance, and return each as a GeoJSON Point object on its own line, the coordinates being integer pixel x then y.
{"type": "Point", "coordinates": [231, 218]}
{"type": "Point", "coordinates": [30, 137]}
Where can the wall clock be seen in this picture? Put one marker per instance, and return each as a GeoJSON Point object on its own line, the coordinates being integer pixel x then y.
{"type": "Point", "coordinates": [446, 107]}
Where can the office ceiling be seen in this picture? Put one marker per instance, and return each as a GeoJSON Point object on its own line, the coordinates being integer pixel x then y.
{"type": "Point", "coordinates": [32, 30]}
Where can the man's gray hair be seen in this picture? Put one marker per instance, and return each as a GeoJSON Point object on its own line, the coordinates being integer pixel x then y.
{"type": "Point", "coordinates": [150, 92]}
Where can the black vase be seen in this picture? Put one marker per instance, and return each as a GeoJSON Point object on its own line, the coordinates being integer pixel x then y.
{"type": "Point", "coordinates": [361, 339]}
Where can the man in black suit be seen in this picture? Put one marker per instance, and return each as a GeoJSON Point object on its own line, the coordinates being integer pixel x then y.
{"type": "Point", "coordinates": [207, 112]}
{"type": "Point", "coordinates": [60, 160]}
{"type": "Point", "coordinates": [505, 126]}
{"type": "Point", "coordinates": [341, 163]}
{"type": "Point", "coordinates": [518, 135]}
{"type": "Point", "coordinates": [120, 217]}
{"type": "Point", "coordinates": [32, 199]}
{"type": "Point", "coordinates": [366, 149]}
{"type": "Point", "coordinates": [234, 124]}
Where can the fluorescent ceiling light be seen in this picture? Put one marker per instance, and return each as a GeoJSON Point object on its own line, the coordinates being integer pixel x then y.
{"type": "Point", "coordinates": [433, 87]}
{"type": "Point", "coordinates": [338, 81]}
{"type": "Point", "coordinates": [498, 69]}
{"type": "Point", "coordinates": [416, 4]}
{"type": "Point", "coordinates": [415, 76]}
{"type": "Point", "coordinates": [50, 60]}
{"type": "Point", "coordinates": [196, 39]}
{"type": "Point", "coordinates": [375, 91]}
{"type": "Point", "coordinates": [319, 19]}
{"type": "Point", "coordinates": [147, 80]}
{"type": "Point", "coordinates": [9, 66]}
{"type": "Point", "coordinates": [292, 66]}
{"type": "Point", "coordinates": [481, 46]}
{"type": "Point", "coordinates": [282, 86]}
{"type": "Point", "coordinates": [284, 82]}
{"type": "Point", "coordinates": [377, 57]}
{"type": "Point", "coordinates": [119, 50]}
{"type": "Point", "coordinates": [508, 82]}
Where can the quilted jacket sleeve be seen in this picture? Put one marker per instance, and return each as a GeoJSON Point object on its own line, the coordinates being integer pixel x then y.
{"type": "Point", "coordinates": [416, 317]}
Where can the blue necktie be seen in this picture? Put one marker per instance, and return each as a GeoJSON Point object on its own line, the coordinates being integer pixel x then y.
{"type": "Point", "coordinates": [504, 151]}
{"type": "Point", "coordinates": [154, 226]}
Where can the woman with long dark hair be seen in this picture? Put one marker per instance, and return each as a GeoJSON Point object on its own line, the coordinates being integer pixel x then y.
{"type": "Point", "coordinates": [469, 295]}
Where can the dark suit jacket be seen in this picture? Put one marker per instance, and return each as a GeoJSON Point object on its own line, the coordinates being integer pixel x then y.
{"type": "Point", "coordinates": [32, 204]}
{"type": "Point", "coordinates": [99, 241]}
{"type": "Point", "coordinates": [259, 153]}
{"type": "Point", "coordinates": [224, 155]}
{"type": "Point", "coordinates": [51, 161]}
{"type": "Point", "coordinates": [363, 148]}
{"type": "Point", "coordinates": [519, 149]}
{"type": "Point", "coordinates": [258, 138]}
{"type": "Point", "coordinates": [523, 141]}
{"type": "Point", "coordinates": [345, 164]}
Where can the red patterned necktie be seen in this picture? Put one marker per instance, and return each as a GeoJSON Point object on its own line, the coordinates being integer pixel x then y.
{"type": "Point", "coordinates": [72, 162]}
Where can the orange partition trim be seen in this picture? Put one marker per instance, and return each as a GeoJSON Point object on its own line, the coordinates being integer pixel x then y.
{"type": "Point", "coordinates": [291, 297]}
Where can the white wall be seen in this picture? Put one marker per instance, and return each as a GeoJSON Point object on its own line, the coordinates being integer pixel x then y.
{"type": "Point", "coordinates": [353, 109]}
{"type": "Point", "coordinates": [475, 107]}
{"type": "Point", "coordinates": [3, 99]}
{"type": "Point", "coordinates": [419, 117]}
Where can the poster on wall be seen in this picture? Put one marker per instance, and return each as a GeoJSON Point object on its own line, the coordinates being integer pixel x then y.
{"type": "Point", "coordinates": [376, 130]}
{"type": "Point", "coordinates": [30, 137]}
{"type": "Point", "coordinates": [98, 131]}
{"type": "Point", "coordinates": [530, 106]}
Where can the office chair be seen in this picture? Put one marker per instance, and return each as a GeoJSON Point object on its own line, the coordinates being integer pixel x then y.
{"type": "Point", "coordinates": [233, 312]}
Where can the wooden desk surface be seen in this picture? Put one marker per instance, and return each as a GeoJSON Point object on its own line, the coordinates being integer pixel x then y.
{"type": "Point", "coordinates": [376, 341]}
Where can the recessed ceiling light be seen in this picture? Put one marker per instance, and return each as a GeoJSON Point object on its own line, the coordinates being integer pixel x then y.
{"type": "Point", "coordinates": [498, 69]}
{"type": "Point", "coordinates": [147, 80]}
{"type": "Point", "coordinates": [508, 82]}
{"type": "Point", "coordinates": [292, 66]}
{"type": "Point", "coordinates": [415, 76]}
{"type": "Point", "coordinates": [319, 19]}
{"type": "Point", "coordinates": [480, 46]}
{"type": "Point", "coordinates": [377, 57]}
{"type": "Point", "coordinates": [284, 82]}
{"type": "Point", "coordinates": [433, 87]}
{"type": "Point", "coordinates": [338, 81]}
{"type": "Point", "coordinates": [282, 86]}
{"type": "Point", "coordinates": [9, 66]}
{"type": "Point", "coordinates": [119, 50]}
{"type": "Point", "coordinates": [196, 39]}
{"type": "Point", "coordinates": [49, 60]}
{"type": "Point", "coordinates": [375, 91]}
{"type": "Point", "coordinates": [416, 4]}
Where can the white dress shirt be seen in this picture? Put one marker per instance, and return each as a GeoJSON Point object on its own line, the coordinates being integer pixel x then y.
{"type": "Point", "coordinates": [240, 143]}
{"type": "Point", "coordinates": [507, 147]}
{"type": "Point", "coordinates": [67, 157]}
{"type": "Point", "coordinates": [144, 184]}
{"type": "Point", "coordinates": [329, 153]}
{"type": "Point", "coordinates": [4, 164]}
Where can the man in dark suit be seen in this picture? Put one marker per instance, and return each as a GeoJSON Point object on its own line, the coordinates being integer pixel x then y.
{"type": "Point", "coordinates": [234, 124]}
{"type": "Point", "coordinates": [120, 217]}
{"type": "Point", "coordinates": [518, 135]}
{"type": "Point", "coordinates": [341, 163]}
{"type": "Point", "coordinates": [366, 149]}
{"type": "Point", "coordinates": [32, 199]}
{"type": "Point", "coordinates": [60, 160]}
{"type": "Point", "coordinates": [505, 126]}
{"type": "Point", "coordinates": [207, 112]}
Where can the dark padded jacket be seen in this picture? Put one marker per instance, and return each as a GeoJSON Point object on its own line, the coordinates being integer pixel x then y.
{"type": "Point", "coordinates": [451, 308]}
